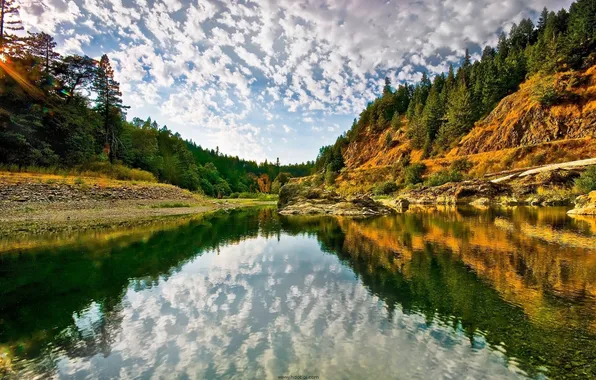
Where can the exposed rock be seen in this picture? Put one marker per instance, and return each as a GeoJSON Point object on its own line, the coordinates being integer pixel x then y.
{"type": "Point", "coordinates": [402, 205]}
{"type": "Point", "coordinates": [585, 205]}
{"type": "Point", "coordinates": [458, 193]}
{"type": "Point", "coordinates": [297, 200]}
{"type": "Point", "coordinates": [31, 191]}
{"type": "Point", "coordinates": [520, 120]}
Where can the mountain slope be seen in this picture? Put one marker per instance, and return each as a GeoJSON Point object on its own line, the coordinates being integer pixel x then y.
{"type": "Point", "coordinates": [521, 119]}
{"type": "Point", "coordinates": [550, 119]}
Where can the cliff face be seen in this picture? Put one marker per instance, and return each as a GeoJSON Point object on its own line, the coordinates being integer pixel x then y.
{"type": "Point", "coordinates": [567, 111]}
{"type": "Point", "coordinates": [547, 115]}
{"type": "Point", "coordinates": [550, 119]}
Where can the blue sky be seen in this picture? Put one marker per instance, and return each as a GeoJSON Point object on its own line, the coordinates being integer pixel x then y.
{"type": "Point", "coordinates": [270, 78]}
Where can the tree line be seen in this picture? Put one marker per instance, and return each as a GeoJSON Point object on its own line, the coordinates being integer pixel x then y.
{"type": "Point", "coordinates": [439, 111]}
{"type": "Point", "coordinates": [67, 111]}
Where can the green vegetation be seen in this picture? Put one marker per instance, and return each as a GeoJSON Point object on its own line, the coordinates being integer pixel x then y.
{"type": "Point", "coordinates": [385, 188]}
{"type": "Point", "coordinates": [462, 165]}
{"type": "Point", "coordinates": [587, 181]}
{"type": "Point", "coordinates": [171, 205]}
{"type": "Point", "coordinates": [440, 111]}
{"type": "Point", "coordinates": [443, 177]}
{"type": "Point", "coordinates": [413, 174]}
{"type": "Point", "coordinates": [49, 121]}
{"type": "Point", "coordinates": [257, 196]}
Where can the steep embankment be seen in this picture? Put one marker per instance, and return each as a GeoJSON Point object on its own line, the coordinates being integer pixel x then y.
{"type": "Point", "coordinates": [550, 119]}
{"type": "Point", "coordinates": [544, 109]}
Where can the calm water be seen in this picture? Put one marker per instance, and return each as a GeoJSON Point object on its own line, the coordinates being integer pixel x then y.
{"type": "Point", "coordinates": [439, 294]}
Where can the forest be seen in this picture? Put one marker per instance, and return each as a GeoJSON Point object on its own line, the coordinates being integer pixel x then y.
{"type": "Point", "coordinates": [437, 112]}
{"type": "Point", "coordinates": [67, 112]}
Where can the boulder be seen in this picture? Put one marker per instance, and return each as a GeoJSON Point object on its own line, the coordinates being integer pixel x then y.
{"type": "Point", "coordinates": [458, 193]}
{"type": "Point", "coordinates": [295, 199]}
{"type": "Point", "coordinates": [585, 205]}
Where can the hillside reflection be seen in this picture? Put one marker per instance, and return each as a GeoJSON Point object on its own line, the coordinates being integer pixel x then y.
{"type": "Point", "coordinates": [523, 279]}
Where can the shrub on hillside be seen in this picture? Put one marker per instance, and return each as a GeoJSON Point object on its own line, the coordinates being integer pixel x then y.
{"type": "Point", "coordinates": [388, 140]}
{"type": "Point", "coordinates": [385, 188]}
{"type": "Point", "coordinates": [117, 171]}
{"type": "Point", "coordinates": [443, 177]}
{"type": "Point", "coordinates": [330, 176]}
{"type": "Point", "coordinates": [547, 94]}
{"type": "Point", "coordinates": [587, 181]}
{"type": "Point", "coordinates": [462, 165]}
{"type": "Point", "coordinates": [413, 173]}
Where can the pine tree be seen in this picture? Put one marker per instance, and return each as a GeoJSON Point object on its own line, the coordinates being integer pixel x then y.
{"type": "Point", "coordinates": [387, 88]}
{"type": "Point", "coordinates": [75, 72]}
{"type": "Point", "coordinates": [460, 116]}
{"type": "Point", "coordinates": [108, 105]}
{"type": "Point", "coordinates": [9, 21]}
{"type": "Point", "coordinates": [432, 116]}
{"type": "Point", "coordinates": [542, 21]}
{"type": "Point", "coordinates": [41, 46]}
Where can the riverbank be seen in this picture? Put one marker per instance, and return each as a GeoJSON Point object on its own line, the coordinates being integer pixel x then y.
{"type": "Point", "coordinates": [38, 204]}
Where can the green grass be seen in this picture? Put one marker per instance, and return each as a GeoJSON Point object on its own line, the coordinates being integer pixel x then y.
{"type": "Point", "coordinates": [171, 205]}
{"type": "Point", "coordinates": [258, 196]}
{"type": "Point", "coordinates": [93, 169]}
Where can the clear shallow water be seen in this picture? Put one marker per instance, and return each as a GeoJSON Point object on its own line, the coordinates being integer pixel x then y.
{"type": "Point", "coordinates": [439, 294]}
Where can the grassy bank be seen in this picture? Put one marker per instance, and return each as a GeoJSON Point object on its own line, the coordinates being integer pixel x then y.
{"type": "Point", "coordinates": [41, 203]}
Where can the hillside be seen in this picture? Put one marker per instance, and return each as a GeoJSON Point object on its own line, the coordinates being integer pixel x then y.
{"type": "Point", "coordinates": [567, 111]}
{"type": "Point", "coordinates": [520, 132]}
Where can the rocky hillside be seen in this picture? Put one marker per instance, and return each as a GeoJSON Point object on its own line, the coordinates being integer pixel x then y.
{"type": "Point", "coordinates": [550, 119]}
{"type": "Point", "coordinates": [544, 109]}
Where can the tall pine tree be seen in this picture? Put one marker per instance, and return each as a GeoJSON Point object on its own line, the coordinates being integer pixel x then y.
{"type": "Point", "coordinates": [9, 23]}
{"type": "Point", "coordinates": [108, 105]}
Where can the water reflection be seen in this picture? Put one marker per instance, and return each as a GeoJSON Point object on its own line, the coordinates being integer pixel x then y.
{"type": "Point", "coordinates": [439, 293]}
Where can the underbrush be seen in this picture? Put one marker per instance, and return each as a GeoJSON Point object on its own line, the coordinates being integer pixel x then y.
{"type": "Point", "coordinates": [258, 196]}
{"type": "Point", "coordinates": [587, 181]}
{"type": "Point", "coordinates": [556, 192]}
{"type": "Point", "coordinates": [171, 205]}
{"type": "Point", "coordinates": [443, 177]}
{"type": "Point", "coordinates": [94, 169]}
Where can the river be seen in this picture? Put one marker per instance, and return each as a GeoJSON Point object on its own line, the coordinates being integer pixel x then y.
{"type": "Point", "coordinates": [441, 293]}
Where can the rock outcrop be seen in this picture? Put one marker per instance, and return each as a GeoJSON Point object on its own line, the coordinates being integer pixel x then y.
{"type": "Point", "coordinates": [465, 192]}
{"type": "Point", "coordinates": [297, 200]}
{"type": "Point", "coordinates": [520, 119]}
{"type": "Point", "coordinates": [585, 205]}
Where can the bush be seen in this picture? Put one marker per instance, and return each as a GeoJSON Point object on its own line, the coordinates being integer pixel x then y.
{"type": "Point", "coordinates": [388, 140]}
{"type": "Point", "coordinates": [318, 180]}
{"type": "Point", "coordinates": [117, 171]}
{"type": "Point", "coordinates": [443, 177]}
{"type": "Point", "coordinates": [587, 181]}
{"type": "Point", "coordinates": [547, 95]}
{"type": "Point", "coordinates": [385, 188]}
{"type": "Point", "coordinates": [330, 176]}
{"type": "Point", "coordinates": [414, 173]}
{"type": "Point", "coordinates": [462, 165]}
{"type": "Point", "coordinates": [234, 195]}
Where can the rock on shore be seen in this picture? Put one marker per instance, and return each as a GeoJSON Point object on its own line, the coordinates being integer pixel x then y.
{"type": "Point", "coordinates": [457, 193]}
{"type": "Point", "coordinates": [297, 200]}
{"type": "Point", "coordinates": [585, 205]}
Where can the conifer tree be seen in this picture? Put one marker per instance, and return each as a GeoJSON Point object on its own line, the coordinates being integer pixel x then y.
{"type": "Point", "coordinates": [108, 105]}
{"type": "Point", "coordinates": [9, 22]}
{"type": "Point", "coordinates": [42, 46]}
{"type": "Point", "coordinates": [460, 116]}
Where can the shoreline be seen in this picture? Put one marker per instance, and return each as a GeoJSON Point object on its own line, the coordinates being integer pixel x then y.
{"type": "Point", "coordinates": [49, 218]}
{"type": "Point", "coordinates": [34, 204]}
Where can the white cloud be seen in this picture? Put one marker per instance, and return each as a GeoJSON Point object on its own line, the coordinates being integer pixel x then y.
{"type": "Point", "coordinates": [223, 63]}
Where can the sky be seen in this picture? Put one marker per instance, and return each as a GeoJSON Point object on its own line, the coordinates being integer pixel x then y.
{"type": "Point", "coordinates": [270, 78]}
